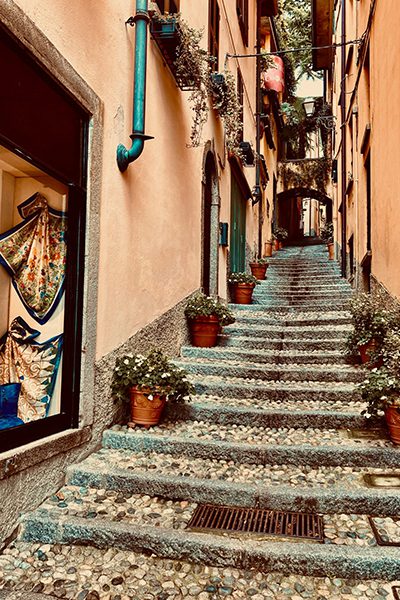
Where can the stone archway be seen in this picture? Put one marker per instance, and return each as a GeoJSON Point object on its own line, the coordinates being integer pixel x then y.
{"type": "Point", "coordinates": [290, 206]}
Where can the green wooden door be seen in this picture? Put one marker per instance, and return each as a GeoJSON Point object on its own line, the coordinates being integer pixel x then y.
{"type": "Point", "coordinates": [238, 228]}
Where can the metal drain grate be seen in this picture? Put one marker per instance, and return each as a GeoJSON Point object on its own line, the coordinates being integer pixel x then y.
{"type": "Point", "coordinates": [382, 480]}
{"type": "Point", "coordinates": [378, 525]}
{"type": "Point", "coordinates": [257, 520]}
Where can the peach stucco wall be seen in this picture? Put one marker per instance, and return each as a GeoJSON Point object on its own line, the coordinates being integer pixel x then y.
{"type": "Point", "coordinates": [150, 219]}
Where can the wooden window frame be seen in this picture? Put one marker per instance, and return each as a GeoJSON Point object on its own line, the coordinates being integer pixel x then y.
{"type": "Point", "coordinates": [213, 32]}
{"type": "Point", "coordinates": [168, 6]}
{"type": "Point", "coordinates": [242, 11]}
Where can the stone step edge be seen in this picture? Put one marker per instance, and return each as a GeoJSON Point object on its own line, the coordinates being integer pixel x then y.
{"type": "Point", "coordinates": [289, 309]}
{"type": "Point", "coordinates": [301, 558]}
{"type": "Point", "coordinates": [232, 415]}
{"type": "Point", "coordinates": [299, 454]}
{"type": "Point", "coordinates": [333, 500]}
{"type": "Point", "coordinates": [229, 363]}
{"type": "Point", "coordinates": [268, 373]}
{"type": "Point", "coordinates": [246, 389]}
{"type": "Point", "coordinates": [278, 358]}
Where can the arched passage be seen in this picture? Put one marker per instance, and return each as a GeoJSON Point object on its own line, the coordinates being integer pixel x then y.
{"type": "Point", "coordinates": [292, 208]}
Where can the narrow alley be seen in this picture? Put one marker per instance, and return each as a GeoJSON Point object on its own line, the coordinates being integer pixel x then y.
{"type": "Point", "coordinates": [276, 425]}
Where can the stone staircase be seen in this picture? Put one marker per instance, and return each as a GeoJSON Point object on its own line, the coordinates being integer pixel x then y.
{"type": "Point", "coordinates": [275, 425]}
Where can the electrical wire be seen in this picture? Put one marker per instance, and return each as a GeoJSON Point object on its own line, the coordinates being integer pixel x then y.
{"type": "Point", "coordinates": [292, 50]}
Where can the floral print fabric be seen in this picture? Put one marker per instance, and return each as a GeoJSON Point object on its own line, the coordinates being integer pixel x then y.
{"type": "Point", "coordinates": [34, 254]}
{"type": "Point", "coordinates": [31, 363]}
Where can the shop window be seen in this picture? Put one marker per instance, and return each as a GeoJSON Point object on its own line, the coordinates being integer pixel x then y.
{"type": "Point", "coordinates": [242, 10]}
{"type": "Point", "coordinates": [213, 33]}
{"type": "Point", "coordinates": [42, 218]}
{"type": "Point", "coordinates": [168, 6]}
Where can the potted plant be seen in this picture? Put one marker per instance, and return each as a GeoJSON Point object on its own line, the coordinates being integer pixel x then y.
{"type": "Point", "coordinates": [242, 286]}
{"type": "Point", "coordinates": [381, 389]}
{"type": "Point", "coordinates": [205, 317]}
{"type": "Point", "coordinates": [268, 247]}
{"type": "Point", "coordinates": [327, 236]}
{"type": "Point", "coordinates": [371, 323]}
{"type": "Point", "coordinates": [259, 268]}
{"type": "Point", "coordinates": [275, 243]}
{"type": "Point", "coordinates": [149, 382]}
{"type": "Point", "coordinates": [281, 234]}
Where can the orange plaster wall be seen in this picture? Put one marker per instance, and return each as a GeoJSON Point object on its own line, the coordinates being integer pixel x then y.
{"type": "Point", "coordinates": [150, 230]}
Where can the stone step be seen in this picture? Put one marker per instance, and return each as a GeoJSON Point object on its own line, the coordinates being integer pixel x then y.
{"type": "Point", "coordinates": [257, 445]}
{"type": "Point", "coordinates": [279, 357]}
{"type": "Point", "coordinates": [289, 311]}
{"type": "Point", "coordinates": [126, 574]}
{"type": "Point", "coordinates": [255, 412]}
{"type": "Point", "coordinates": [335, 344]}
{"type": "Point", "coordinates": [263, 319]}
{"type": "Point", "coordinates": [237, 387]}
{"type": "Point", "coordinates": [281, 304]}
{"type": "Point", "coordinates": [272, 413]}
{"type": "Point", "coordinates": [311, 332]}
{"type": "Point", "coordinates": [247, 370]}
{"type": "Point", "coordinates": [320, 489]}
{"type": "Point", "coordinates": [159, 527]}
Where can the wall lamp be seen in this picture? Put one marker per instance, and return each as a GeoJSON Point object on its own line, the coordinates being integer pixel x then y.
{"type": "Point", "coordinates": [326, 121]}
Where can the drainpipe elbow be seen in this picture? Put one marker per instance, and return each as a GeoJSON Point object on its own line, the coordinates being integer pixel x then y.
{"type": "Point", "coordinates": [125, 156]}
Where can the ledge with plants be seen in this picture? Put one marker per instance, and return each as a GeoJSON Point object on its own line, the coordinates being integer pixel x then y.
{"type": "Point", "coordinates": [305, 173]}
{"type": "Point", "coordinates": [205, 317]}
{"type": "Point", "coordinates": [242, 286]}
{"type": "Point", "coordinates": [148, 382]}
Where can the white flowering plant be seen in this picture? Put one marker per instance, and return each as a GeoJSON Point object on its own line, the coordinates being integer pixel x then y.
{"type": "Point", "coordinates": [200, 305]}
{"type": "Point", "coordinates": [153, 373]}
{"type": "Point", "coordinates": [380, 389]}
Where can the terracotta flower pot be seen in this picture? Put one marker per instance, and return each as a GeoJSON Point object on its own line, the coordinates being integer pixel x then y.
{"type": "Point", "coordinates": [242, 293]}
{"type": "Point", "coordinates": [258, 270]}
{"type": "Point", "coordinates": [275, 245]}
{"type": "Point", "coordinates": [366, 350]}
{"type": "Point", "coordinates": [331, 250]}
{"type": "Point", "coordinates": [144, 411]}
{"type": "Point", "coordinates": [393, 422]}
{"type": "Point", "coordinates": [204, 331]}
{"type": "Point", "coordinates": [268, 248]}
{"type": "Point", "coordinates": [280, 245]}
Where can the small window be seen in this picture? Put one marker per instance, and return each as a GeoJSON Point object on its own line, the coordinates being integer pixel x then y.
{"type": "Point", "coordinates": [168, 6]}
{"type": "Point", "coordinates": [213, 33]}
{"type": "Point", "coordinates": [242, 9]}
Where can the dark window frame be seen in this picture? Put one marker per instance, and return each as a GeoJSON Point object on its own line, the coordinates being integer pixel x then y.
{"type": "Point", "coordinates": [168, 6]}
{"type": "Point", "coordinates": [213, 32]}
{"type": "Point", "coordinates": [242, 11]}
{"type": "Point", "coordinates": [68, 416]}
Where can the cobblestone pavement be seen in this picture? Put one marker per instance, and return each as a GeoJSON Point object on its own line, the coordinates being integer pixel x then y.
{"type": "Point", "coordinates": [127, 507]}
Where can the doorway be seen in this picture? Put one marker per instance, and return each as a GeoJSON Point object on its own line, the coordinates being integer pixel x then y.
{"type": "Point", "coordinates": [209, 278]}
{"type": "Point", "coordinates": [238, 228]}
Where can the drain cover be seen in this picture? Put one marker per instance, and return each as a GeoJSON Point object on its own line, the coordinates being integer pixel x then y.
{"type": "Point", "coordinates": [383, 480]}
{"type": "Point", "coordinates": [257, 520]}
{"type": "Point", "coordinates": [367, 434]}
{"type": "Point", "coordinates": [386, 530]}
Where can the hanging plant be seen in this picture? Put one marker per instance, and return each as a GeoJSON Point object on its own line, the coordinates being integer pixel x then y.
{"type": "Point", "coordinates": [193, 64]}
{"type": "Point", "coordinates": [310, 173]}
{"type": "Point", "coordinates": [226, 102]}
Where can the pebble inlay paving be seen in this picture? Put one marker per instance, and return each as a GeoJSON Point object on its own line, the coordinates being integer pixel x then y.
{"type": "Point", "coordinates": [82, 573]}
{"type": "Point", "coordinates": [292, 405]}
{"type": "Point", "coordinates": [173, 465]}
{"type": "Point", "coordinates": [265, 436]}
{"type": "Point", "coordinates": [135, 509]}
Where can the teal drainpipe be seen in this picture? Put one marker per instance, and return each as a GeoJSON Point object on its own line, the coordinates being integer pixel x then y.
{"type": "Point", "coordinates": [138, 137]}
